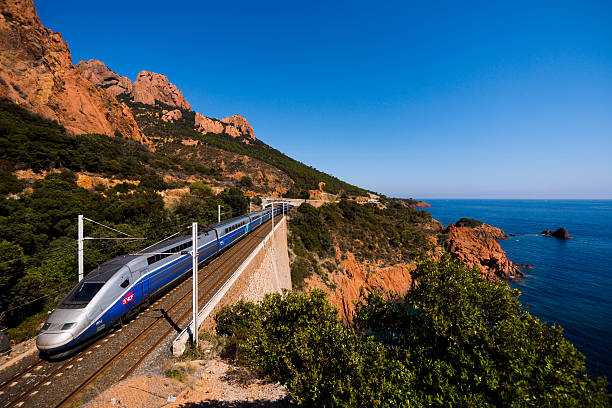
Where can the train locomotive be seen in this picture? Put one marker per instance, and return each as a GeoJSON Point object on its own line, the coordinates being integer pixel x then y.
{"type": "Point", "coordinates": [121, 286]}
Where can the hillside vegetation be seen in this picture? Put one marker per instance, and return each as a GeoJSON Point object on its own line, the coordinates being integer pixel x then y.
{"type": "Point", "coordinates": [38, 223]}
{"type": "Point", "coordinates": [454, 340]}
{"type": "Point", "coordinates": [390, 235]}
{"type": "Point", "coordinates": [28, 141]}
{"type": "Point", "coordinates": [167, 135]}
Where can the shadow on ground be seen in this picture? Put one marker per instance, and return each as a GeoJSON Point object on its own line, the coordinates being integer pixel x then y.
{"type": "Point", "coordinates": [285, 403]}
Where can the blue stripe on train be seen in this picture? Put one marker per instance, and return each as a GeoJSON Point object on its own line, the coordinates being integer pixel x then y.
{"type": "Point", "coordinates": [157, 280]}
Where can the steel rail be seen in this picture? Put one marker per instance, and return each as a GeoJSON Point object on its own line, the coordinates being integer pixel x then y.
{"type": "Point", "coordinates": [247, 247]}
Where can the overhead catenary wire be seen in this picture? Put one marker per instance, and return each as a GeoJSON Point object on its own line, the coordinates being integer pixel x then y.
{"type": "Point", "coordinates": [140, 252]}
{"type": "Point", "coordinates": [32, 301]}
{"type": "Point", "coordinates": [32, 257]}
{"type": "Point", "coordinates": [110, 228]}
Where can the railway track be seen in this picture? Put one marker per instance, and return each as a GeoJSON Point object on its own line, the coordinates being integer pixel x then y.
{"type": "Point", "coordinates": [40, 383]}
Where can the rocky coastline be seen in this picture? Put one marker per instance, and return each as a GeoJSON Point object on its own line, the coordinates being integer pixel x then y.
{"type": "Point", "coordinates": [476, 244]}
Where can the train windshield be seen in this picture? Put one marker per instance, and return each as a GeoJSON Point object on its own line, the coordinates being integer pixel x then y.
{"type": "Point", "coordinates": [83, 293]}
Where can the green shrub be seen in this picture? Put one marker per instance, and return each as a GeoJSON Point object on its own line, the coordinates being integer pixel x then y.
{"type": "Point", "coordinates": [455, 339]}
{"type": "Point", "coordinates": [153, 182]}
{"type": "Point", "coordinates": [468, 222]}
{"type": "Point", "coordinates": [300, 270]}
{"type": "Point", "coordinates": [9, 183]}
{"type": "Point", "coordinates": [246, 182]}
{"type": "Point", "coordinates": [369, 232]}
{"type": "Point", "coordinates": [200, 189]}
{"type": "Point", "coordinates": [177, 374]}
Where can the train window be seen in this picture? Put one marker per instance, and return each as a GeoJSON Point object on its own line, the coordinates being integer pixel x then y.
{"type": "Point", "coordinates": [125, 283]}
{"type": "Point", "coordinates": [85, 292]}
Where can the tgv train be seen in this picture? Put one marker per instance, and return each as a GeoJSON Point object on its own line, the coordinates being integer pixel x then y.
{"type": "Point", "coordinates": [118, 288]}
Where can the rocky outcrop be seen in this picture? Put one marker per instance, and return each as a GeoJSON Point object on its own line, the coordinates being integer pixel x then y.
{"type": "Point", "coordinates": [36, 72]}
{"type": "Point", "coordinates": [560, 233]}
{"type": "Point", "coordinates": [99, 74]}
{"type": "Point", "coordinates": [236, 126]}
{"type": "Point", "coordinates": [267, 179]}
{"type": "Point", "coordinates": [205, 124]}
{"type": "Point", "coordinates": [171, 116]}
{"type": "Point", "coordinates": [353, 275]}
{"type": "Point", "coordinates": [151, 88]}
{"type": "Point", "coordinates": [482, 228]}
{"type": "Point", "coordinates": [321, 195]}
{"type": "Point", "coordinates": [413, 203]}
{"type": "Point", "coordinates": [241, 126]}
{"type": "Point", "coordinates": [477, 247]}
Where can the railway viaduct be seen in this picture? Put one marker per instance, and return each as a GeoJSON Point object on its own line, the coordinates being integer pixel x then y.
{"type": "Point", "coordinates": [256, 265]}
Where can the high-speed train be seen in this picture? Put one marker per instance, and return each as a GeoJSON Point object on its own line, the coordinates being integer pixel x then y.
{"type": "Point", "coordinates": [118, 288]}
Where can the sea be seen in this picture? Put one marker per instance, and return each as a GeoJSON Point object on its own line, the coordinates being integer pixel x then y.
{"type": "Point", "coordinates": [571, 283]}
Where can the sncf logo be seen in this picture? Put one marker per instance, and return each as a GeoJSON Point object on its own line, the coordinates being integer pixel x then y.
{"type": "Point", "coordinates": [128, 298]}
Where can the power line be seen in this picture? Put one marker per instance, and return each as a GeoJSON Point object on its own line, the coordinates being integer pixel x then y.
{"type": "Point", "coordinates": [165, 239]}
{"type": "Point", "coordinates": [110, 228]}
{"type": "Point", "coordinates": [31, 301]}
{"type": "Point", "coordinates": [33, 257]}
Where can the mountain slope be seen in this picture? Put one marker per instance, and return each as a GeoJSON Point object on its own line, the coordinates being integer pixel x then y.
{"type": "Point", "coordinates": [167, 119]}
{"type": "Point", "coordinates": [36, 72]}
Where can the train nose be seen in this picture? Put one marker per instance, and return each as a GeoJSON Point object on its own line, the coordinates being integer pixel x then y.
{"type": "Point", "coordinates": [50, 341]}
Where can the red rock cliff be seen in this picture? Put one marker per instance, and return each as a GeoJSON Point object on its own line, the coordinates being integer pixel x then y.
{"type": "Point", "coordinates": [36, 72]}
{"type": "Point", "coordinates": [478, 246]}
{"type": "Point", "coordinates": [151, 87]}
{"type": "Point", "coordinates": [354, 275]}
{"type": "Point", "coordinates": [241, 125]}
{"type": "Point", "coordinates": [99, 74]}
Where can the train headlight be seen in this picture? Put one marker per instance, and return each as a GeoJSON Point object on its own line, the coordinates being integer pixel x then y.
{"type": "Point", "coordinates": [46, 326]}
{"type": "Point", "coordinates": [68, 326]}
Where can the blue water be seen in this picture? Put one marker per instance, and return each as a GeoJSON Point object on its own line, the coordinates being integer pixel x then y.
{"type": "Point", "coordinates": [571, 284]}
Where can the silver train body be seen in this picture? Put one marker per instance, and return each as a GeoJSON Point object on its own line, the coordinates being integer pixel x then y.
{"type": "Point", "coordinates": [120, 287]}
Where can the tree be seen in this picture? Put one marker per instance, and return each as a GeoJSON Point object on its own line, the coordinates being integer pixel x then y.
{"type": "Point", "coordinates": [12, 264]}
{"type": "Point", "coordinates": [9, 183]}
{"type": "Point", "coordinates": [469, 342]}
{"type": "Point", "coordinates": [246, 182]}
{"type": "Point", "coordinates": [454, 339]}
{"type": "Point", "coordinates": [153, 182]}
{"type": "Point", "coordinates": [200, 189]}
{"type": "Point", "coordinates": [236, 200]}
{"type": "Point", "coordinates": [298, 340]}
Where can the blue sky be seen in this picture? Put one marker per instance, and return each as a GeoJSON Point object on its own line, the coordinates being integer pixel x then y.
{"type": "Point", "coordinates": [411, 99]}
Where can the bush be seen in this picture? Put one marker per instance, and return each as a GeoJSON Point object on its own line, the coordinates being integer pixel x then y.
{"type": "Point", "coordinates": [299, 341]}
{"type": "Point", "coordinates": [235, 199]}
{"type": "Point", "coordinates": [153, 182]}
{"type": "Point", "coordinates": [176, 373]}
{"type": "Point", "coordinates": [300, 270]}
{"type": "Point", "coordinates": [370, 233]}
{"type": "Point", "coordinates": [246, 182]}
{"type": "Point", "coordinates": [468, 222]}
{"type": "Point", "coordinates": [9, 183]}
{"type": "Point", "coordinates": [201, 190]}
{"type": "Point", "coordinates": [455, 339]}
